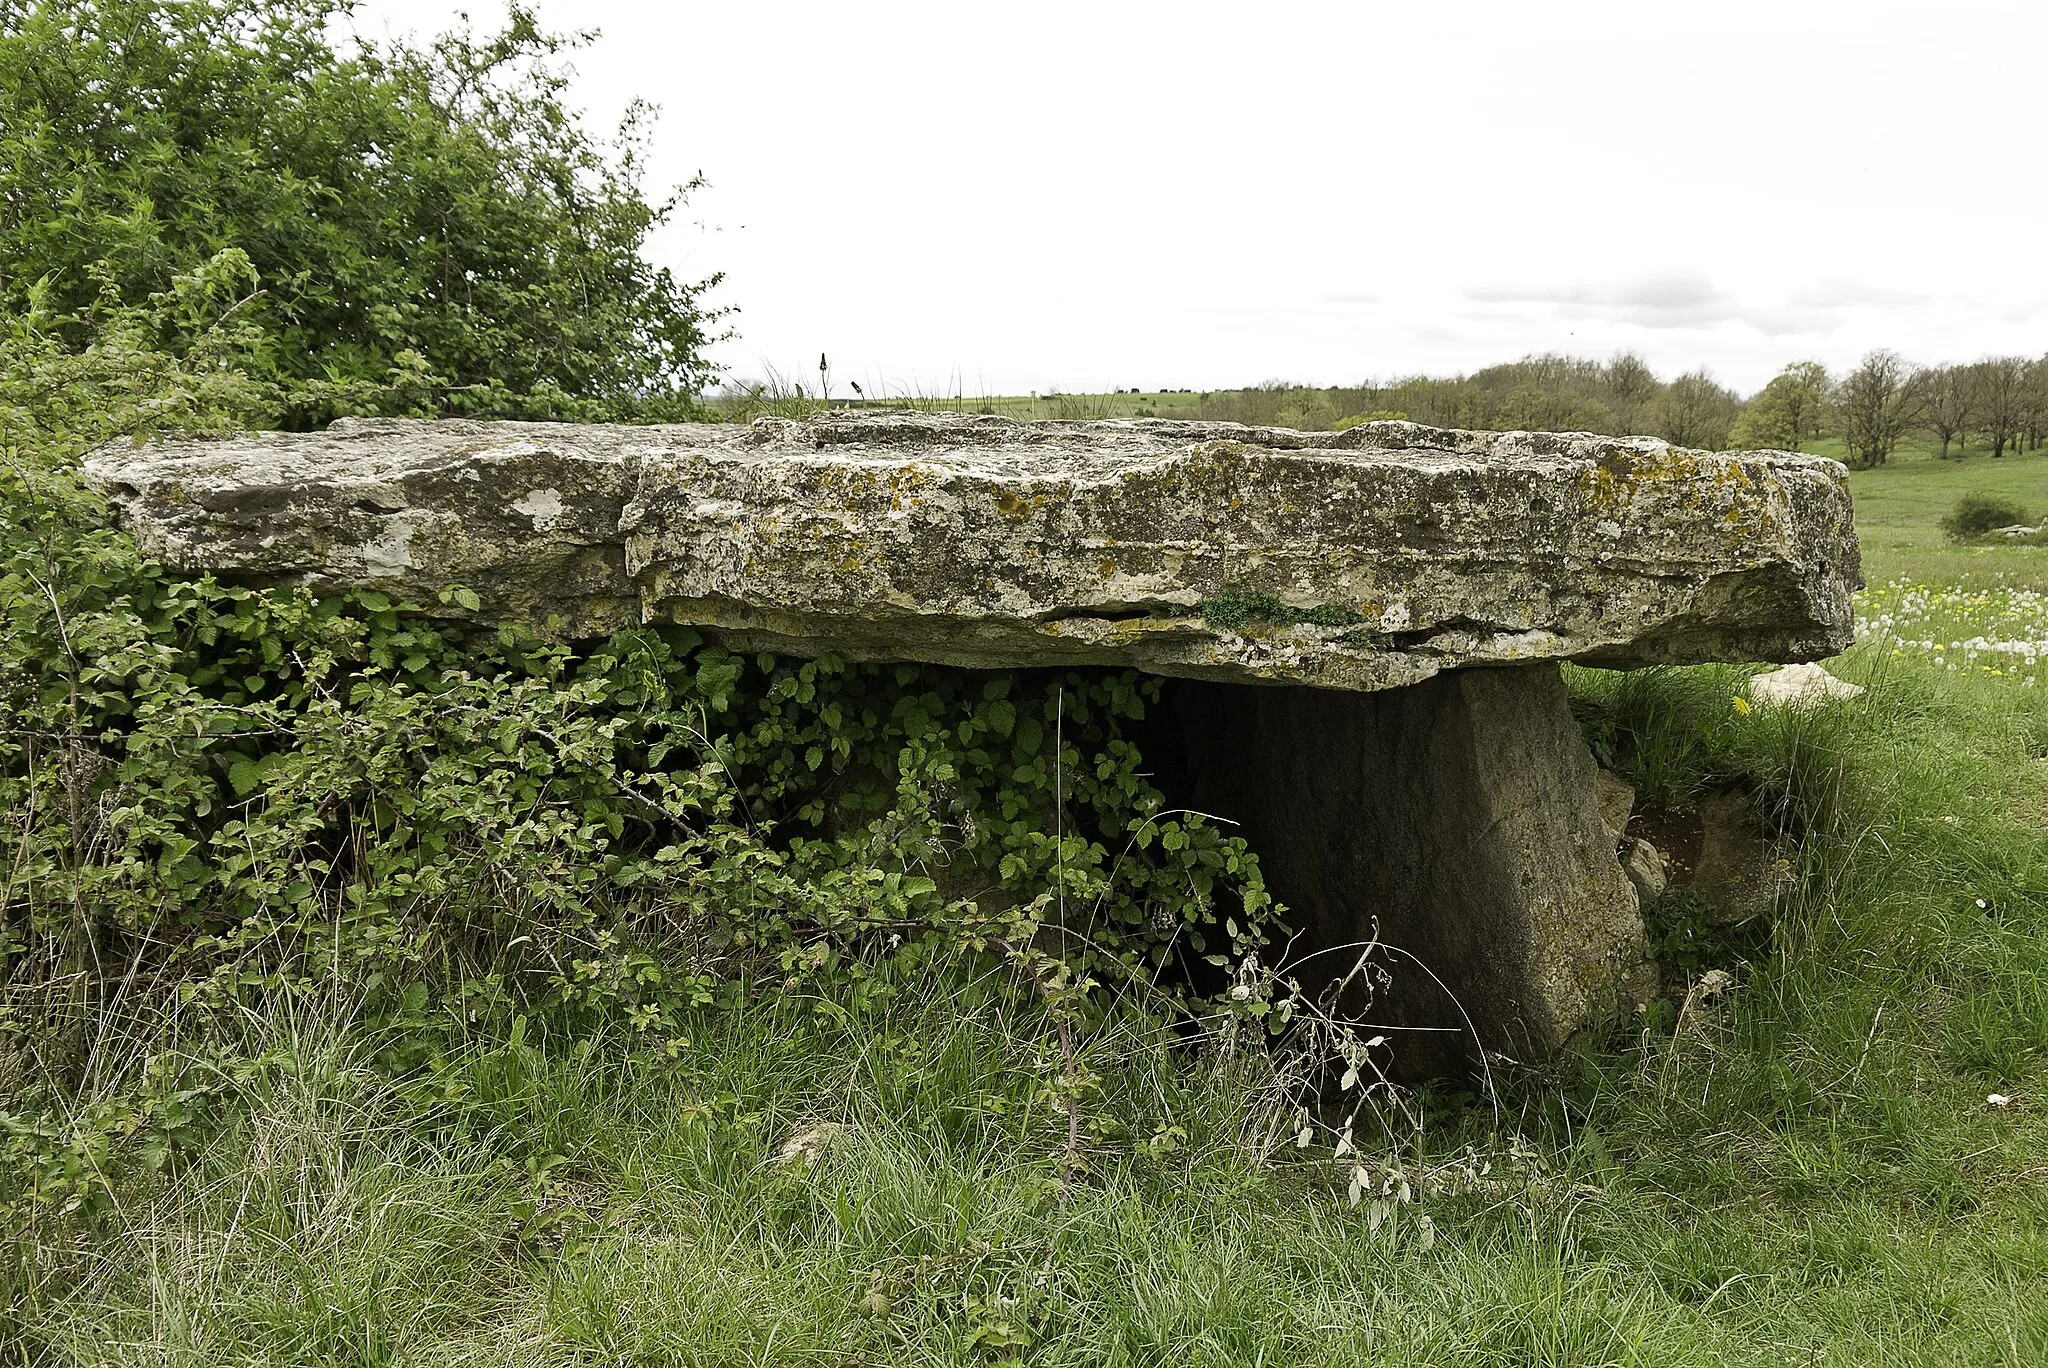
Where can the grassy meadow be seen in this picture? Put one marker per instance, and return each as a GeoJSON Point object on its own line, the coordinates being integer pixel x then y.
{"type": "Point", "coordinates": [1899, 504]}
{"type": "Point", "coordinates": [1842, 1160]}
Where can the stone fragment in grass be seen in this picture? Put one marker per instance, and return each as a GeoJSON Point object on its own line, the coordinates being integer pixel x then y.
{"type": "Point", "coordinates": [1800, 686]}
{"type": "Point", "coordinates": [811, 1143]}
{"type": "Point", "coordinates": [1641, 861]}
{"type": "Point", "coordinates": [1617, 800]}
{"type": "Point", "coordinates": [1644, 865]}
{"type": "Point", "coordinates": [1740, 872]}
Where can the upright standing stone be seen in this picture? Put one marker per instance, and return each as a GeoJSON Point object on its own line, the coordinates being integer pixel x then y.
{"type": "Point", "coordinates": [1457, 824]}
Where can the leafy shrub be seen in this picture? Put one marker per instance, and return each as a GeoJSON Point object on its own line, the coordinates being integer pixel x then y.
{"type": "Point", "coordinates": [1978, 515]}
{"type": "Point", "coordinates": [216, 801]}
{"type": "Point", "coordinates": [434, 214]}
{"type": "Point", "coordinates": [221, 805]}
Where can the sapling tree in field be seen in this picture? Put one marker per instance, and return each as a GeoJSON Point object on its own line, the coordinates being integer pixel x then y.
{"type": "Point", "coordinates": [2001, 383]}
{"type": "Point", "coordinates": [1630, 385]}
{"type": "Point", "coordinates": [1695, 411]}
{"type": "Point", "coordinates": [2034, 419]}
{"type": "Point", "coordinates": [1948, 403]}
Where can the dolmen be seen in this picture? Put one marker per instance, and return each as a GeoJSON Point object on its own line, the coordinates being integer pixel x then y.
{"type": "Point", "coordinates": [1361, 630]}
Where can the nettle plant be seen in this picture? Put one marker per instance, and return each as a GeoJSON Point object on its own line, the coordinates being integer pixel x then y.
{"type": "Point", "coordinates": [215, 799]}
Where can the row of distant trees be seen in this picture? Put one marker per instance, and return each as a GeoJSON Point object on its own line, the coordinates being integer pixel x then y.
{"type": "Point", "coordinates": [1537, 393]}
{"type": "Point", "coordinates": [1999, 404]}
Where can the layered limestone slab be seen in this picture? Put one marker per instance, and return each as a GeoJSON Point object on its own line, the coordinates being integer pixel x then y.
{"type": "Point", "coordinates": [1361, 560]}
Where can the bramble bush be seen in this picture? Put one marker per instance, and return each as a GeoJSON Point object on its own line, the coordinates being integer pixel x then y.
{"type": "Point", "coordinates": [218, 801]}
{"type": "Point", "coordinates": [223, 808]}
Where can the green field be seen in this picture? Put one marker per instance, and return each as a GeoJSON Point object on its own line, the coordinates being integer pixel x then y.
{"type": "Point", "coordinates": [1899, 504]}
{"type": "Point", "coordinates": [1813, 1170]}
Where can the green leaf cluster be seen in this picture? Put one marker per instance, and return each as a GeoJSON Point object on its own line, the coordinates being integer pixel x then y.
{"type": "Point", "coordinates": [427, 230]}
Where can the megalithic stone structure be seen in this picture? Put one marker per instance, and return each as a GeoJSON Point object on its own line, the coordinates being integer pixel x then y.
{"type": "Point", "coordinates": [1370, 620]}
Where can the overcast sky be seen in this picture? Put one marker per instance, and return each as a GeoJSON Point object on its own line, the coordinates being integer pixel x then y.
{"type": "Point", "coordinates": [1003, 198]}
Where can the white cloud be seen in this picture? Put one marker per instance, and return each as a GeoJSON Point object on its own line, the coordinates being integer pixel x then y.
{"type": "Point", "coordinates": [1079, 195]}
{"type": "Point", "coordinates": [1855, 294]}
{"type": "Point", "coordinates": [1677, 299]}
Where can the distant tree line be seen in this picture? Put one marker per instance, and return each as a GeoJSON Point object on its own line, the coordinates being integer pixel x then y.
{"type": "Point", "coordinates": [1999, 404]}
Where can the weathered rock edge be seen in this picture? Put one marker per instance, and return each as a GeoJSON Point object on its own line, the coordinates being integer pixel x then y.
{"type": "Point", "coordinates": [985, 542]}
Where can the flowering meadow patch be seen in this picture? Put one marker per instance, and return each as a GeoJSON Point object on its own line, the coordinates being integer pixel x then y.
{"type": "Point", "coordinates": [1999, 630]}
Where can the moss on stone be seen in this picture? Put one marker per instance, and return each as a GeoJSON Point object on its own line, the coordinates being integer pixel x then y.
{"type": "Point", "coordinates": [1233, 609]}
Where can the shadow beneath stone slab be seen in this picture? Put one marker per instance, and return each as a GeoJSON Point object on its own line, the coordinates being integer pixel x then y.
{"type": "Point", "coordinates": [1456, 820]}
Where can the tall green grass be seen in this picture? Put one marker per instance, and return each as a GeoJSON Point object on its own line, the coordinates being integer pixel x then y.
{"type": "Point", "coordinates": [1807, 1170]}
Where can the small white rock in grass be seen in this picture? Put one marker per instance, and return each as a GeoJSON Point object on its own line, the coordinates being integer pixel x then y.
{"type": "Point", "coordinates": [1644, 865]}
{"type": "Point", "coordinates": [810, 1144]}
{"type": "Point", "coordinates": [1999, 1100]}
{"type": "Point", "coordinates": [1800, 686]}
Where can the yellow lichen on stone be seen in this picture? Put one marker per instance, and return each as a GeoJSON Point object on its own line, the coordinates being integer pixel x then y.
{"type": "Point", "coordinates": [1017, 507]}
{"type": "Point", "coordinates": [1127, 630]}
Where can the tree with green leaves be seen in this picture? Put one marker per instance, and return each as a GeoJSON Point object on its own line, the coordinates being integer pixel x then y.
{"type": "Point", "coordinates": [433, 214]}
{"type": "Point", "coordinates": [1695, 410]}
{"type": "Point", "coordinates": [1788, 413]}
{"type": "Point", "coordinates": [1875, 405]}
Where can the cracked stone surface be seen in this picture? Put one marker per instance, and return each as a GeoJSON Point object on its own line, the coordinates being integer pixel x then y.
{"type": "Point", "coordinates": [1361, 560]}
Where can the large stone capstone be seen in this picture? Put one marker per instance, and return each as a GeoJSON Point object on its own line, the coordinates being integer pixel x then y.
{"type": "Point", "coordinates": [1442, 817]}
{"type": "Point", "coordinates": [1366, 559]}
